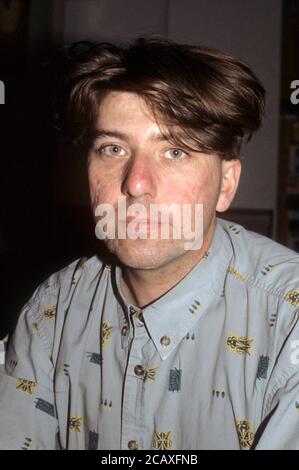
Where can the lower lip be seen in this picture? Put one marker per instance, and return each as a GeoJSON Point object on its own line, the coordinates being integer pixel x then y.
{"type": "Point", "coordinates": [146, 225]}
{"type": "Point", "coordinates": [142, 226]}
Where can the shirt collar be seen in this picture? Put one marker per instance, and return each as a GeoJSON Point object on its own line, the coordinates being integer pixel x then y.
{"type": "Point", "coordinates": [170, 318]}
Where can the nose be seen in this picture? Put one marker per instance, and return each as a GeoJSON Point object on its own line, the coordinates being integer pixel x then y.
{"type": "Point", "coordinates": [138, 179]}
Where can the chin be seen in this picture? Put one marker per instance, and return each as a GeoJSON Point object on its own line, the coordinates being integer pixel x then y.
{"type": "Point", "coordinates": [145, 254]}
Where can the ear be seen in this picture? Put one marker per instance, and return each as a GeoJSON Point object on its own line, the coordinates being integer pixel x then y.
{"type": "Point", "coordinates": [230, 176]}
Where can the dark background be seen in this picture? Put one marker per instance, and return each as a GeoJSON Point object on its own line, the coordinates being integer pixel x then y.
{"type": "Point", "coordinates": [38, 232]}
{"type": "Point", "coordinates": [45, 220]}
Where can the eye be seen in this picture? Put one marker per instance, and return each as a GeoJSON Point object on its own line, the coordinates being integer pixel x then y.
{"type": "Point", "coordinates": [175, 154]}
{"type": "Point", "coordinates": [112, 151]}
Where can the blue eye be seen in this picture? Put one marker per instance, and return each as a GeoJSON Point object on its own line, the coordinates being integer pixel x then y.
{"type": "Point", "coordinates": [112, 150]}
{"type": "Point", "coordinates": [175, 154]}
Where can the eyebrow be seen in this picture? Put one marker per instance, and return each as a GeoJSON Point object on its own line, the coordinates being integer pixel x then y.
{"type": "Point", "coordinates": [98, 133]}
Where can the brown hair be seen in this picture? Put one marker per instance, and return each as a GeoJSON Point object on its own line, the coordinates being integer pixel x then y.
{"type": "Point", "coordinates": [212, 97]}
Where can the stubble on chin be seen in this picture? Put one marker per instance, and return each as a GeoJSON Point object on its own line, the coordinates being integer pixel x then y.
{"type": "Point", "coordinates": [145, 254]}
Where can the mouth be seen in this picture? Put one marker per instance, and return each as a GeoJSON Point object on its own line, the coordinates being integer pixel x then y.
{"type": "Point", "coordinates": [140, 225]}
{"type": "Point", "coordinates": [145, 229]}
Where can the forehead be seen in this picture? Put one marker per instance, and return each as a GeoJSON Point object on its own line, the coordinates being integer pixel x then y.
{"type": "Point", "coordinates": [120, 104]}
{"type": "Point", "coordinates": [128, 112]}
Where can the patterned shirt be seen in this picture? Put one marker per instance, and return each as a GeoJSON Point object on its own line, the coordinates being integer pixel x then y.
{"type": "Point", "coordinates": [212, 364]}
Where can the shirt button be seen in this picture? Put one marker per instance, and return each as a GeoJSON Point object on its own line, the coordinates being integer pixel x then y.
{"type": "Point", "coordinates": [132, 310]}
{"type": "Point", "coordinates": [124, 330]}
{"type": "Point", "coordinates": [139, 370]}
{"type": "Point", "coordinates": [133, 445]}
{"type": "Point", "coordinates": [165, 341]}
{"type": "Point", "coordinates": [140, 320]}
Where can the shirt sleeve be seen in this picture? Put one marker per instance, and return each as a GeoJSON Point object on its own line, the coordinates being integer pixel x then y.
{"type": "Point", "coordinates": [27, 407]}
{"type": "Point", "coordinates": [280, 427]}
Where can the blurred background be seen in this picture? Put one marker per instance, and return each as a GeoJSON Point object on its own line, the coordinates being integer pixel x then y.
{"type": "Point", "coordinates": [45, 220]}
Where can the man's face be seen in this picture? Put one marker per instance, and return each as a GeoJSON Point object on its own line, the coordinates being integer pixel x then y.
{"type": "Point", "coordinates": [131, 159]}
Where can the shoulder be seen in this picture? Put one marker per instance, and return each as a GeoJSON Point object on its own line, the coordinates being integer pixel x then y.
{"type": "Point", "coordinates": [264, 263]}
{"type": "Point", "coordinates": [41, 318]}
{"type": "Point", "coordinates": [53, 295]}
{"type": "Point", "coordinates": [264, 277]}
{"type": "Point", "coordinates": [65, 278]}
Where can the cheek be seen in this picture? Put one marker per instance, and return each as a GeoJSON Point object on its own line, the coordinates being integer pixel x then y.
{"type": "Point", "coordinates": [94, 182]}
{"type": "Point", "coordinates": [101, 189]}
{"type": "Point", "coordinates": [93, 179]}
{"type": "Point", "coordinates": [96, 185]}
{"type": "Point", "coordinates": [193, 189]}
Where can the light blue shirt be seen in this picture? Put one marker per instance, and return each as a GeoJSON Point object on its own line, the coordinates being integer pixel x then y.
{"type": "Point", "coordinates": [212, 364]}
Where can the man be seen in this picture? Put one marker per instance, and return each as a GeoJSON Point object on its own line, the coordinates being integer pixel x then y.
{"type": "Point", "coordinates": [168, 347]}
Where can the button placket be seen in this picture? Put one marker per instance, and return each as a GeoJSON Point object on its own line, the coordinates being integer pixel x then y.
{"type": "Point", "coordinates": [132, 417]}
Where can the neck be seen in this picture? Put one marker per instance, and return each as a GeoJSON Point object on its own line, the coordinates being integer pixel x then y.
{"type": "Point", "coordinates": [142, 287]}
